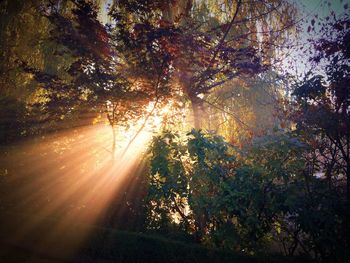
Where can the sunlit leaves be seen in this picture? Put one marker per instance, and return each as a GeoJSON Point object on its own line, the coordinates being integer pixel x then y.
{"type": "Point", "coordinates": [227, 193]}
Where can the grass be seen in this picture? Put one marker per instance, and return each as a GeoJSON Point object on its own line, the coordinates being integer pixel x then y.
{"type": "Point", "coordinates": [86, 243]}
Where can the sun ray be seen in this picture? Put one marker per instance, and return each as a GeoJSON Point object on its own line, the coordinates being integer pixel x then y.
{"type": "Point", "coordinates": [70, 177]}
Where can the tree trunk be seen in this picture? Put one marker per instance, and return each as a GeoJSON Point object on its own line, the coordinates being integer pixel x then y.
{"type": "Point", "coordinates": [114, 138]}
{"type": "Point", "coordinates": [177, 9]}
{"type": "Point", "coordinates": [197, 110]}
{"type": "Point", "coordinates": [348, 182]}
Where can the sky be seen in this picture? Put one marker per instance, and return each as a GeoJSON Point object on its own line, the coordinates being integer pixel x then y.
{"type": "Point", "coordinates": [321, 7]}
{"type": "Point", "coordinates": [308, 10]}
{"type": "Point", "coordinates": [104, 7]}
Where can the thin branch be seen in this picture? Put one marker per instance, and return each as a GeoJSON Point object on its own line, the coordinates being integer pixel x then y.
{"type": "Point", "coordinates": [149, 114]}
{"type": "Point", "coordinates": [230, 113]}
{"type": "Point", "coordinates": [221, 42]}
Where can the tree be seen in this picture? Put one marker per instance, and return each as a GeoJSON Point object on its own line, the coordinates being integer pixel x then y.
{"type": "Point", "coordinates": [322, 103]}
{"type": "Point", "coordinates": [91, 82]}
{"type": "Point", "coordinates": [151, 53]}
{"type": "Point", "coordinates": [322, 120]}
{"type": "Point", "coordinates": [221, 195]}
{"type": "Point", "coordinates": [202, 51]}
{"type": "Point", "coordinates": [21, 25]}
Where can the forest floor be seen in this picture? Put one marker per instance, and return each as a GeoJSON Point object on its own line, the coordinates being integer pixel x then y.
{"type": "Point", "coordinates": [86, 243]}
